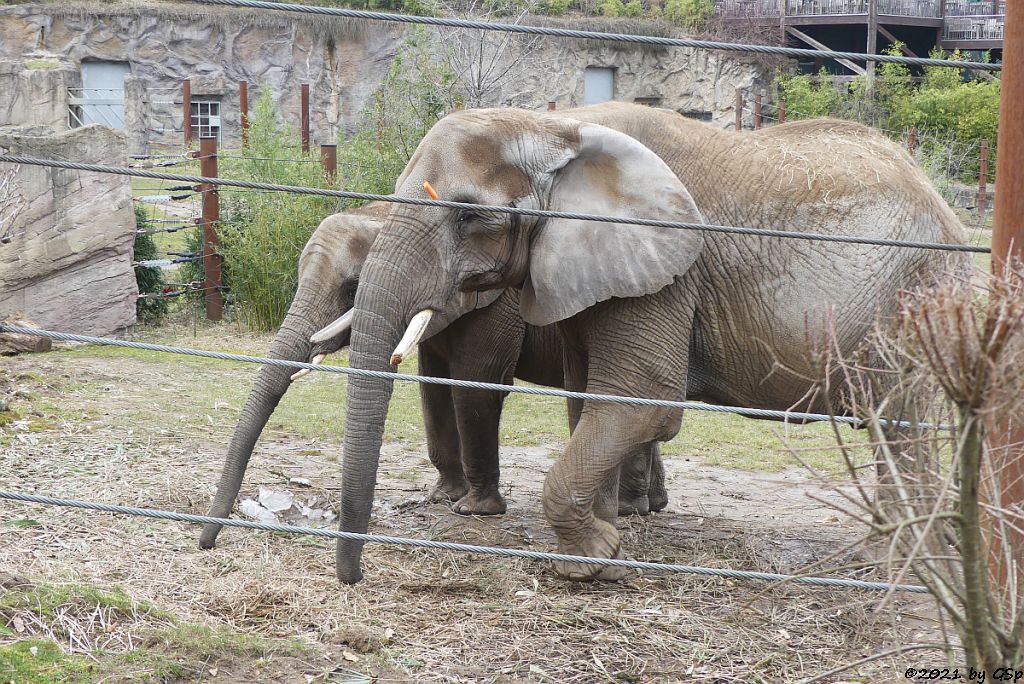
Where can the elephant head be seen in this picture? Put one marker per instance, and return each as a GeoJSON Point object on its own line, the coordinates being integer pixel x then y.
{"type": "Point", "coordinates": [429, 263]}
{"type": "Point", "coordinates": [328, 275]}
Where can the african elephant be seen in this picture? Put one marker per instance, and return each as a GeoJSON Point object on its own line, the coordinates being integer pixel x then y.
{"type": "Point", "coordinates": [490, 344]}
{"type": "Point", "coordinates": [642, 311]}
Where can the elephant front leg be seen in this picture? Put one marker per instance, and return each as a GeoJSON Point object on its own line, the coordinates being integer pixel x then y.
{"type": "Point", "coordinates": [442, 432]}
{"type": "Point", "coordinates": [478, 415]}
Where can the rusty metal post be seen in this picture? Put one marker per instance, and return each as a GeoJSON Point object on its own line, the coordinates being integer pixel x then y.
{"type": "Point", "coordinates": [757, 112]}
{"type": "Point", "coordinates": [911, 140]}
{"type": "Point", "coordinates": [739, 109]}
{"type": "Point", "coordinates": [329, 157]}
{"type": "Point", "coordinates": [782, 111]}
{"type": "Point", "coordinates": [212, 295]}
{"type": "Point", "coordinates": [186, 109]}
{"type": "Point", "coordinates": [243, 108]}
{"type": "Point", "coordinates": [983, 180]}
{"type": "Point", "coordinates": [304, 106]}
{"type": "Point", "coordinates": [552, 105]}
{"type": "Point", "coordinates": [1008, 245]}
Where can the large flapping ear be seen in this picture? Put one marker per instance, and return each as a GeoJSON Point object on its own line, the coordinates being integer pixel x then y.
{"type": "Point", "coordinates": [575, 264]}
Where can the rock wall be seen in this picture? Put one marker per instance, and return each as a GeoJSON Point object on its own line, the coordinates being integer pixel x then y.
{"type": "Point", "coordinates": [36, 93]}
{"type": "Point", "coordinates": [65, 260]}
{"type": "Point", "coordinates": [344, 61]}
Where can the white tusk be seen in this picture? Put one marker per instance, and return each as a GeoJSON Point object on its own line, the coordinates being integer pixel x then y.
{"type": "Point", "coordinates": [412, 336]}
{"type": "Point", "coordinates": [340, 325]}
{"type": "Point", "coordinates": [303, 372]}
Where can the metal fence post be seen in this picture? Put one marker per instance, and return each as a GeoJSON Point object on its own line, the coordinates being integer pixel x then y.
{"type": "Point", "coordinates": [212, 295]}
{"type": "Point", "coordinates": [739, 109]}
{"type": "Point", "coordinates": [757, 111]}
{"type": "Point", "coordinates": [243, 108]}
{"type": "Point", "coordinates": [983, 180]}
{"type": "Point", "coordinates": [329, 157]}
{"type": "Point", "coordinates": [186, 108]}
{"type": "Point", "coordinates": [304, 117]}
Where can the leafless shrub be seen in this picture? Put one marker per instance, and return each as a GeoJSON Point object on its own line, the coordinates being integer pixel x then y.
{"type": "Point", "coordinates": [952, 366]}
{"type": "Point", "coordinates": [11, 204]}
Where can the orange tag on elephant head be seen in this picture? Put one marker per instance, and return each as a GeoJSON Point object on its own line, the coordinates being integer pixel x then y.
{"type": "Point", "coordinates": [430, 190]}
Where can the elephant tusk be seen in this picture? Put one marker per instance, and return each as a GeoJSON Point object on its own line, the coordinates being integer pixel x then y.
{"type": "Point", "coordinates": [303, 372]}
{"type": "Point", "coordinates": [340, 325]}
{"type": "Point", "coordinates": [413, 335]}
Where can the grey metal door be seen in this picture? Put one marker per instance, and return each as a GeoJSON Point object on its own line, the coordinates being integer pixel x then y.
{"type": "Point", "coordinates": [101, 99]}
{"type": "Point", "coordinates": [598, 85]}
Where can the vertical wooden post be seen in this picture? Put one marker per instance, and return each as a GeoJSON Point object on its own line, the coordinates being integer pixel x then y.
{"type": "Point", "coordinates": [782, 111]}
{"type": "Point", "coordinates": [304, 116]}
{"type": "Point", "coordinates": [872, 46]}
{"type": "Point", "coordinates": [912, 140]}
{"type": "Point", "coordinates": [1007, 245]}
{"type": "Point", "coordinates": [243, 108]}
{"type": "Point", "coordinates": [757, 112]}
{"type": "Point", "coordinates": [552, 105]}
{"type": "Point", "coordinates": [212, 295]}
{"type": "Point", "coordinates": [983, 180]}
{"type": "Point", "coordinates": [329, 157]}
{"type": "Point", "coordinates": [186, 108]}
{"type": "Point", "coordinates": [739, 109]}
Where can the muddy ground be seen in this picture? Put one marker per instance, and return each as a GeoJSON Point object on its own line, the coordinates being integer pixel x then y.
{"type": "Point", "coordinates": [112, 429]}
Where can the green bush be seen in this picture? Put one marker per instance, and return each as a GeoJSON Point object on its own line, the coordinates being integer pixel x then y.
{"type": "Point", "coordinates": [690, 14]}
{"type": "Point", "coordinates": [555, 8]}
{"type": "Point", "coordinates": [806, 98]}
{"type": "Point", "coordinates": [148, 280]}
{"type": "Point", "coordinates": [612, 8]}
{"type": "Point", "coordinates": [633, 9]}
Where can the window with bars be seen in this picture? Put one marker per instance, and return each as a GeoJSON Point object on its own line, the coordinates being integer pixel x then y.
{"type": "Point", "coordinates": [206, 119]}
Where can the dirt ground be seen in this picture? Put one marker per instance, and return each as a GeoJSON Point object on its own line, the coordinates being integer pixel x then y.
{"type": "Point", "coordinates": [423, 616]}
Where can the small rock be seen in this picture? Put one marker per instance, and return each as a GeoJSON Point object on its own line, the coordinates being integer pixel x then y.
{"type": "Point", "coordinates": [15, 343]}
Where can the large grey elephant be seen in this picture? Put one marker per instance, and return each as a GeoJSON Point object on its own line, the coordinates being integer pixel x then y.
{"type": "Point", "coordinates": [489, 344]}
{"type": "Point", "coordinates": [643, 311]}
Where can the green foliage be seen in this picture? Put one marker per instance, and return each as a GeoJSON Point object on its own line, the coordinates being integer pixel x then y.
{"type": "Point", "coordinates": [690, 14]}
{"type": "Point", "coordinates": [633, 9]}
{"type": "Point", "coordinates": [148, 280]}
{"type": "Point", "coordinates": [263, 233]}
{"type": "Point", "coordinates": [554, 8]}
{"type": "Point", "coordinates": [806, 98]}
{"type": "Point", "coordinates": [612, 8]}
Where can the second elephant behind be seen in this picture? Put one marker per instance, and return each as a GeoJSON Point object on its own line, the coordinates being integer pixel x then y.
{"type": "Point", "coordinates": [490, 344]}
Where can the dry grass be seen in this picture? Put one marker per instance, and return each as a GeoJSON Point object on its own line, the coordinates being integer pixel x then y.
{"type": "Point", "coordinates": [418, 616]}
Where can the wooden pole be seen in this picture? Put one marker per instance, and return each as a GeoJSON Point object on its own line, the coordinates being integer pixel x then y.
{"type": "Point", "coordinates": [243, 108]}
{"type": "Point", "coordinates": [911, 140]}
{"type": "Point", "coordinates": [983, 180]}
{"type": "Point", "coordinates": [739, 109]}
{"type": "Point", "coordinates": [186, 108]}
{"type": "Point", "coordinates": [304, 105]}
{"type": "Point", "coordinates": [329, 157]}
{"type": "Point", "coordinates": [1008, 245]}
{"type": "Point", "coordinates": [872, 46]}
{"type": "Point", "coordinates": [757, 112]}
{"type": "Point", "coordinates": [552, 105]}
{"type": "Point", "coordinates": [782, 111]}
{"type": "Point", "coordinates": [212, 295]}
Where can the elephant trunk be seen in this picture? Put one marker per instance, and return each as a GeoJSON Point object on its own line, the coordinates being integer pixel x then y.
{"type": "Point", "coordinates": [380, 316]}
{"type": "Point", "coordinates": [305, 316]}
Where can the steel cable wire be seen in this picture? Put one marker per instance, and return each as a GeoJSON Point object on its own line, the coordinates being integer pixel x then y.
{"type": "Point", "coordinates": [452, 546]}
{"type": "Point", "coordinates": [597, 35]}
{"type": "Point", "coordinates": [543, 213]}
{"type": "Point", "coordinates": [796, 416]}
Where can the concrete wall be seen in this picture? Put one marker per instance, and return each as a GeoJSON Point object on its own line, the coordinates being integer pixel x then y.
{"type": "Point", "coordinates": [67, 263]}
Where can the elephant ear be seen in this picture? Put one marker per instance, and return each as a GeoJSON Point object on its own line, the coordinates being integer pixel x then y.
{"type": "Point", "coordinates": [575, 264]}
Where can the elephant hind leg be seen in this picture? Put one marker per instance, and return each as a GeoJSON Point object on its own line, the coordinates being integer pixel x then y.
{"type": "Point", "coordinates": [642, 482]}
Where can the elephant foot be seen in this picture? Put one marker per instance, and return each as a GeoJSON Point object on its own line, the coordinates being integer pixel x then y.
{"type": "Point", "coordinates": [473, 503]}
{"type": "Point", "coordinates": [448, 489]}
{"type": "Point", "coordinates": [602, 542]}
{"type": "Point", "coordinates": [637, 505]}
{"type": "Point", "coordinates": [657, 499]}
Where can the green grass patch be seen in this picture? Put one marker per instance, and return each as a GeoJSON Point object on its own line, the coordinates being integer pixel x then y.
{"type": "Point", "coordinates": [41, 64]}
{"type": "Point", "coordinates": [41, 661]}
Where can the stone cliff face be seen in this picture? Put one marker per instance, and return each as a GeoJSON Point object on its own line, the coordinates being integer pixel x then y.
{"type": "Point", "coordinates": [66, 262]}
{"type": "Point", "coordinates": [343, 61]}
